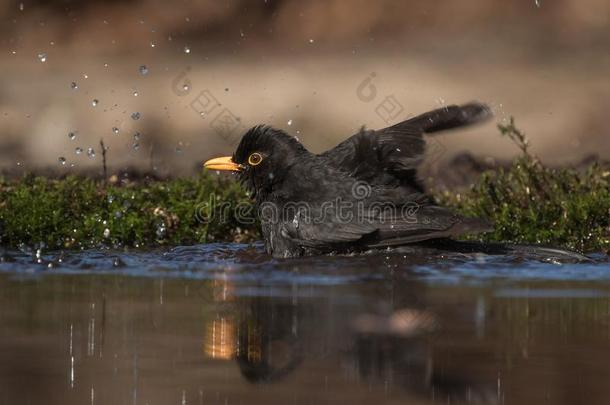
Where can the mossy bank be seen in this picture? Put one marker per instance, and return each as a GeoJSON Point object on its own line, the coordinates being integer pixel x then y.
{"type": "Point", "coordinates": [528, 203]}
{"type": "Point", "coordinates": [78, 212]}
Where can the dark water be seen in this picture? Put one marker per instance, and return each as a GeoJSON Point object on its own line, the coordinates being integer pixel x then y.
{"type": "Point", "coordinates": [224, 324]}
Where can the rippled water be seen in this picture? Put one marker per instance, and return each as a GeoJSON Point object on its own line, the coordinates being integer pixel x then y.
{"type": "Point", "coordinates": [226, 324]}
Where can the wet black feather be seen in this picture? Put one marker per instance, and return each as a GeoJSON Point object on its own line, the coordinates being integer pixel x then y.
{"type": "Point", "coordinates": [361, 194]}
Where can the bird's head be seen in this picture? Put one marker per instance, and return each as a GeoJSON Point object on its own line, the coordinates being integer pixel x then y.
{"type": "Point", "coordinates": [262, 159]}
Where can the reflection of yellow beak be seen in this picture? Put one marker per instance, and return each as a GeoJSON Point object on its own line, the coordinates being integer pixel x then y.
{"type": "Point", "coordinates": [223, 163]}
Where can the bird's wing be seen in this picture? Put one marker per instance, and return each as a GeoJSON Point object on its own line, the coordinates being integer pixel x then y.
{"type": "Point", "coordinates": [430, 222]}
{"type": "Point", "coordinates": [321, 227]}
{"type": "Point", "coordinates": [395, 152]}
{"type": "Point", "coordinates": [376, 225]}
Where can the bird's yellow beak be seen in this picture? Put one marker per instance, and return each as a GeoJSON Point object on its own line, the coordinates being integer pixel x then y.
{"type": "Point", "coordinates": [223, 163]}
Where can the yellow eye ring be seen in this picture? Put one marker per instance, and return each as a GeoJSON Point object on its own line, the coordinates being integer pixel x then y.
{"type": "Point", "coordinates": [255, 159]}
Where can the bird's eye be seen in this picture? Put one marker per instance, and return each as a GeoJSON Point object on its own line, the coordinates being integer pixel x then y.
{"type": "Point", "coordinates": [255, 159]}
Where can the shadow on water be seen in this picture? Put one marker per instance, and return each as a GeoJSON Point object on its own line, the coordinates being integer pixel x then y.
{"type": "Point", "coordinates": [224, 324]}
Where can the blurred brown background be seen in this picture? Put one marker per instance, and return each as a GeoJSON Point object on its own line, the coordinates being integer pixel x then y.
{"type": "Point", "coordinates": [191, 76]}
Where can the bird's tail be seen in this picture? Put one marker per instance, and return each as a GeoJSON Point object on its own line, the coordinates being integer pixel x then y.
{"type": "Point", "coordinates": [453, 116]}
{"type": "Point", "coordinates": [528, 252]}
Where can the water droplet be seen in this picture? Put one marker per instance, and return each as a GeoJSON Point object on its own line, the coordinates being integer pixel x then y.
{"type": "Point", "coordinates": [136, 94]}
{"type": "Point", "coordinates": [311, 40]}
{"type": "Point", "coordinates": [152, 44]}
{"type": "Point", "coordinates": [72, 135]}
{"type": "Point", "coordinates": [136, 136]}
{"type": "Point", "coordinates": [62, 160]}
{"type": "Point", "coordinates": [143, 70]}
{"type": "Point", "coordinates": [42, 57]}
{"type": "Point", "coordinates": [91, 153]}
{"type": "Point", "coordinates": [74, 86]}
{"type": "Point", "coordinates": [135, 116]}
{"type": "Point", "coordinates": [105, 65]}
{"type": "Point", "coordinates": [187, 49]}
{"type": "Point", "coordinates": [538, 3]}
{"type": "Point", "coordinates": [95, 102]}
{"type": "Point", "coordinates": [136, 146]}
{"type": "Point", "coordinates": [106, 233]}
{"type": "Point", "coordinates": [21, 7]}
{"type": "Point", "coordinates": [115, 130]}
{"type": "Point", "coordinates": [185, 87]}
{"type": "Point", "coordinates": [161, 230]}
{"type": "Point", "coordinates": [78, 150]}
{"type": "Point", "coordinates": [289, 122]}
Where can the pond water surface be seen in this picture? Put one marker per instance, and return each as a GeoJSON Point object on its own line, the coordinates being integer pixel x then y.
{"type": "Point", "coordinates": [225, 324]}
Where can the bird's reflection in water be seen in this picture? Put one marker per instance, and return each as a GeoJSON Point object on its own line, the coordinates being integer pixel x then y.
{"type": "Point", "coordinates": [389, 342]}
{"type": "Point", "coordinates": [220, 338]}
{"type": "Point", "coordinates": [259, 333]}
{"type": "Point", "coordinates": [220, 341]}
{"type": "Point", "coordinates": [268, 345]}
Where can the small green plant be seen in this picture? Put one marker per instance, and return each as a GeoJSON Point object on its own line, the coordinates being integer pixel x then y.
{"type": "Point", "coordinates": [532, 203]}
{"type": "Point", "coordinates": [78, 212]}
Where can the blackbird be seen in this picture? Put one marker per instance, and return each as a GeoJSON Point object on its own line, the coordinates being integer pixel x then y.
{"type": "Point", "coordinates": [362, 194]}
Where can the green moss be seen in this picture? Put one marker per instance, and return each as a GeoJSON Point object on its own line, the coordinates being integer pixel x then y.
{"type": "Point", "coordinates": [528, 203]}
{"type": "Point", "coordinates": [78, 212]}
{"type": "Point", "coordinates": [531, 203]}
